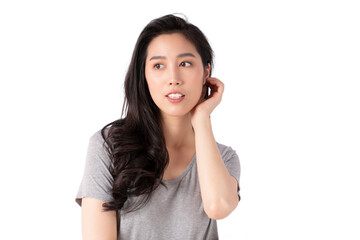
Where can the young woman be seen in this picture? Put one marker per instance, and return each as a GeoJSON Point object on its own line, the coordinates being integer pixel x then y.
{"type": "Point", "coordinates": [158, 172]}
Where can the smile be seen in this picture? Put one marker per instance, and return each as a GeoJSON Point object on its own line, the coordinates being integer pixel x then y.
{"type": "Point", "coordinates": [175, 97]}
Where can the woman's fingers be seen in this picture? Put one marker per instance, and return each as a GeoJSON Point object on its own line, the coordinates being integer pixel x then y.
{"type": "Point", "coordinates": [216, 86]}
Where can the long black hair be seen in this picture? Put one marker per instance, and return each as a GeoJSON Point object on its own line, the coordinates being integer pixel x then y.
{"type": "Point", "coordinates": [135, 142]}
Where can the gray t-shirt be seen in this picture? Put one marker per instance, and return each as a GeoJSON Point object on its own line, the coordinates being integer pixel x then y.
{"type": "Point", "coordinates": [175, 212]}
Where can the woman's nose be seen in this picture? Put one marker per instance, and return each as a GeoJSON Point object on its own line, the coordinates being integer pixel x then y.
{"type": "Point", "coordinates": [174, 82]}
{"type": "Point", "coordinates": [175, 79]}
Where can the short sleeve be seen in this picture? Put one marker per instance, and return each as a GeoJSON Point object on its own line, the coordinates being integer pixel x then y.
{"type": "Point", "coordinates": [97, 180]}
{"type": "Point", "coordinates": [232, 163]}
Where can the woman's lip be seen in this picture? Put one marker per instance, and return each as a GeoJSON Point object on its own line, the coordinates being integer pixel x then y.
{"type": "Point", "coordinates": [175, 93]}
{"type": "Point", "coordinates": [175, 100]}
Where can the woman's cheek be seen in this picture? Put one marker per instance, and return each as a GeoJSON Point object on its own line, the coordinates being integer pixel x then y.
{"type": "Point", "coordinates": [197, 96]}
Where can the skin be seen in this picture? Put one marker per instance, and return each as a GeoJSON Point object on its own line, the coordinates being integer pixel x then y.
{"type": "Point", "coordinates": [95, 223]}
{"type": "Point", "coordinates": [173, 64]}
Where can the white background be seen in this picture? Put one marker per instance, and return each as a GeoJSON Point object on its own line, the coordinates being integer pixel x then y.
{"type": "Point", "coordinates": [291, 108]}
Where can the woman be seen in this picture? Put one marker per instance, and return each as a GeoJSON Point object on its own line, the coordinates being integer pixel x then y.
{"type": "Point", "coordinates": [142, 179]}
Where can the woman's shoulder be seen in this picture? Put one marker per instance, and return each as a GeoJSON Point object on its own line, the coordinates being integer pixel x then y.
{"type": "Point", "coordinates": [96, 138]}
{"type": "Point", "coordinates": [113, 129]}
{"type": "Point", "coordinates": [226, 151]}
{"type": "Point", "coordinates": [97, 144]}
{"type": "Point", "coordinates": [99, 135]}
{"type": "Point", "coordinates": [231, 160]}
{"type": "Point", "coordinates": [97, 150]}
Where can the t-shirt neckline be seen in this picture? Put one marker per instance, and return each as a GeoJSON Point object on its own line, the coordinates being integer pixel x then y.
{"type": "Point", "coordinates": [182, 175]}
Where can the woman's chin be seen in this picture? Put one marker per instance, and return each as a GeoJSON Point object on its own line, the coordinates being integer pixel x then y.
{"type": "Point", "coordinates": [175, 113]}
{"type": "Point", "coordinates": [177, 110]}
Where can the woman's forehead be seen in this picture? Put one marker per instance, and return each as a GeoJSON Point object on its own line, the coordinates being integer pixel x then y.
{"type": "Point", "coordinates": [172, 45]}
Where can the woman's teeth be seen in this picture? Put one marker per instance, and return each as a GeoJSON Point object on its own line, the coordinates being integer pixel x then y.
{"type": "Point", "coordinates": [175, 95]}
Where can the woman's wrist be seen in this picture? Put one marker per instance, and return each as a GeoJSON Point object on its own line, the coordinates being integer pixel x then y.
{"type": "Point", "coordinates": [201, 122]}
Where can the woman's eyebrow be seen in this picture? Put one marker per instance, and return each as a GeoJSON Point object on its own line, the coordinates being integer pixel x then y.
{"type": "Point", "coordinates": [185, 55]}
{"type": "Point", "coordinates": [157, 57]}
{"type": "Point", "coordinates": [178, 56]}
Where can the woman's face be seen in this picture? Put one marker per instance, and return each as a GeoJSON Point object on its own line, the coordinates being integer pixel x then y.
{"type": "Point", "coordinates": [174, 73]}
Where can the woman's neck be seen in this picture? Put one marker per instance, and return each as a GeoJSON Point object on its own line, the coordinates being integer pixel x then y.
{"type": "Point", "coordinates": [178, 131]}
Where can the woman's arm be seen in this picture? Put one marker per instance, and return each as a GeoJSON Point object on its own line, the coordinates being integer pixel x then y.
{"type": "Point", "coordinates": [218, 187]}
{"type": "Point", "coordinates": [97, 224]}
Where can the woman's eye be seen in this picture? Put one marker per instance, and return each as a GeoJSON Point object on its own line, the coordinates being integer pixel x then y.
{"type": "Point", "coordinates": [158, 66]}
{"type": "Point", "coordinates": [185, 64]}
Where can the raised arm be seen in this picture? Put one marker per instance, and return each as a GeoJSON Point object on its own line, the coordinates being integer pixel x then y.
{"type": "Point", "coordinates": [96, 224]}
{"type": "Point", "coordinates": [218, 187]}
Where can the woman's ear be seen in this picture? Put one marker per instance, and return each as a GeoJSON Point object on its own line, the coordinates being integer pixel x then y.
{"type": "Point", "coordinates": [207, 72]}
